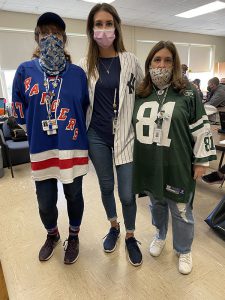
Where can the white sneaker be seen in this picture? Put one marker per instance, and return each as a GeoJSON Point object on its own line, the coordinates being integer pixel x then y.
{"type": "Point", "coordinates": [185, 263]}
{"type": "Point", "coordinates": [156, 246]}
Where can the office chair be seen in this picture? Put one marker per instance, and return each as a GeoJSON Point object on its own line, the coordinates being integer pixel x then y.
{"type": "Point", "coordinates": [12, 148]}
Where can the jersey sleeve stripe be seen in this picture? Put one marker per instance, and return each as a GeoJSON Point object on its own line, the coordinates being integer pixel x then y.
{"type": "Point", "coordinates": [200, 122]}
{"type": "Point", "coordinates": [204, 159]}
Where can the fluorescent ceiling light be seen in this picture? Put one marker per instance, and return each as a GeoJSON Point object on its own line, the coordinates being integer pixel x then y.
{"type": "Point", "coordinates": [97, 1]}
{"type": "Point", "coordinates": [202, 10]}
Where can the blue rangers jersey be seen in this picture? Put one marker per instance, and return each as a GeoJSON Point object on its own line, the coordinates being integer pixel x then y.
{"type": "Point", "coordinates": [64, 155]}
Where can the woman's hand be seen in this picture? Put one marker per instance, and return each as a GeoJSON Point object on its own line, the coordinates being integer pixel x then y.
{"type": "Point", "coordinates": [199, 171]}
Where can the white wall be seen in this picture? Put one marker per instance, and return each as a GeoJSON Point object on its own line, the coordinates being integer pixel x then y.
{"type": "Point", "coordinates": [16, 47]}
{"type": "Point", "coordinates": [1, 92]}
{"type": "Point", "coordinates": [183, 37]}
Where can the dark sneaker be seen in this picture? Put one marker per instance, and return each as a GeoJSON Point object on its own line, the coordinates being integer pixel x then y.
{"type": "Point", "coordinates": [111, 238]}
{"type": "Point", "coordinates": [134, 253]}
{"type": "Point", "coordinates": [47, 249]}
{"type": "Point", "coordinates": [71, 250]}
{"type": "Point", "coordinates": [213, 178]}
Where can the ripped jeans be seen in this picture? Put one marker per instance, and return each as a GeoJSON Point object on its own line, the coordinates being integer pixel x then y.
{"type": "Point", "coordinates": [182, 222]}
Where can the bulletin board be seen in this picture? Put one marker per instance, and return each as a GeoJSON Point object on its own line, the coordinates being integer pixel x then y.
{"type": "Point", "coordinates": [2, 106]}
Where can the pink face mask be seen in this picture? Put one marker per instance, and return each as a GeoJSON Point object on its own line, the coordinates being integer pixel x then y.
{"type": "Point", "coordinates": [104, 38]}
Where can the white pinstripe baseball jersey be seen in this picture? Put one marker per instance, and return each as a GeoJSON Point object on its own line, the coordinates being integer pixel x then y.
{"type": "Point", "coordinates": [131, 74]}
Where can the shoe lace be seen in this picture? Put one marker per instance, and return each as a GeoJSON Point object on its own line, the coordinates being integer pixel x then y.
{"type": "Point", "coordinates": [69, 245]}
{"type": "Point", "coordinates": [157, 242]}
{"type": "Point", "coordinates": [49, 241]}
{"type": "Point", "coordinates": [137, 242]}
{"type": "Point", "coordinates": [134, 241]}
{"type": "Point", "coordinates": [112, 232]}
{"type": "Point", "coordinates": [185, 258]}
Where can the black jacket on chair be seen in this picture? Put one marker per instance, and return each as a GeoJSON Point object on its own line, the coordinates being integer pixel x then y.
{"type": "Point", "coordinates": [14, 152]}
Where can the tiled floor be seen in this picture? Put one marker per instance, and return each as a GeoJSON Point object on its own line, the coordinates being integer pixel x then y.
{"type": "Point", "coordinates": [97, 275]}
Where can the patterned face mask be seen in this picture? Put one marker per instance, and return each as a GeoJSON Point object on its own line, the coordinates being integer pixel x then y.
{"type": "Point", "coordinates": [52, 57]}
{"type": "Point", "coordinates": [161, 76]}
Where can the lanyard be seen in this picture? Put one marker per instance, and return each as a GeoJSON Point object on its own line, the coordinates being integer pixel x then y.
{"type": "Point", "coordinates": [115, 119]}
{"type": "Point", "coordinates": [115, 107]}
{"type": "Point", "coordinates": [50, 95]}
{"type": "Point", "coordinates": [161, 102]}
{"type": "Point", "coordinates": [161, 113]}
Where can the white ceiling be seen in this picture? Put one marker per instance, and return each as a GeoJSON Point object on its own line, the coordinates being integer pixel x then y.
{"type": "Point", "coordinates": [158, 14]}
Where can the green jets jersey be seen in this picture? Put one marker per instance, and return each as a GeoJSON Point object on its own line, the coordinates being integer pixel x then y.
{"type": "Point", "coordinates": [164, 167]}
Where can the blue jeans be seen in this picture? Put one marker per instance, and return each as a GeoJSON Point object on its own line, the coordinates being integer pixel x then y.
{"type": "Point", "coordinates": [102, 158]}
{"type": "Point", "coordinates": [182, 222]}
{"type": "Point", "coordinates": [47, 196]}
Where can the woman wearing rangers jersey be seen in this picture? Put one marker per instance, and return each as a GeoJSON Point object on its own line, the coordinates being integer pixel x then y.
{"type": "Point", "coordinates": [112, 74]}
{"type": "Point", "coordinates": [50, 96]}
{"type": "Point", "coordinates": [172, 149]}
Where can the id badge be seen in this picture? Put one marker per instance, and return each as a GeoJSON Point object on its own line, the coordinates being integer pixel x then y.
{"type": "Point", "coordinates": [115, 125]}
{"type": "Point", "coordinates": [50, 126]}
{"type": "Point", "coordinates": [157, 135]}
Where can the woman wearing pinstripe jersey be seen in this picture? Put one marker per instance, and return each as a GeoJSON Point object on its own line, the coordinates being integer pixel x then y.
{"type": "Point", "coordinates": [112, 75]}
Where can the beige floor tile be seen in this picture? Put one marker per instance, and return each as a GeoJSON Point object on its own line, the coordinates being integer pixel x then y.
{"type": "Point", "coordinates": [97, 275]}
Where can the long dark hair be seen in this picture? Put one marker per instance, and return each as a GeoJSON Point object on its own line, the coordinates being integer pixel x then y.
{"type": "Point", "coordinates": [93, 50]}
{"type": "Point", "coordinates": [177, 81]}
{"type": "Point", "coordinates": [42, 29]}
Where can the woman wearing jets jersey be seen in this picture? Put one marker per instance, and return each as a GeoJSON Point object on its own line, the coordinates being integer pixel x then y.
{"type": "Point", "coordinates": [172, 149]}
{"type": "Point", "coordinates": [112, 74]}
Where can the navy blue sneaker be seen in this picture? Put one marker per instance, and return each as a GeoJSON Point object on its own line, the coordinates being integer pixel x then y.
{"type": "Point", "coordinates": [134, 253]}
{"type": "Point", "coordinates": [111, 238]}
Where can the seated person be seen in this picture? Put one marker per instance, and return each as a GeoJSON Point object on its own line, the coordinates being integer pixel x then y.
{"type": "Point", "coordinates": [222, 81]}
{"type": "Point", "coordinates": [215, 177]}
{"type": "Point", "coordinates": [217, 93]}
{"type": "Point", "coordinates": [196, 83]}
{"type": "Point", "coordinates": [184, 69]}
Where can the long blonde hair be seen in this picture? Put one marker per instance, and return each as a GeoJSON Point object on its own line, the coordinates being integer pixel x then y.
{"type": "Point", "coordinates": [93, 50]}
{"type": "Point", "coordinates": [177, 81]}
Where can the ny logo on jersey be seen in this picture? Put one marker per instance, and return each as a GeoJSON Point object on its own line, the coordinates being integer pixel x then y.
{"type": "Point", "coordinates": [188, 93]}
{"type": "Point", "coordinates": [130, 83]}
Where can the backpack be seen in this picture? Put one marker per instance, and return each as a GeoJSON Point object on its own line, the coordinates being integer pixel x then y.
{"type": "Point", "coordinates": [17, 133]}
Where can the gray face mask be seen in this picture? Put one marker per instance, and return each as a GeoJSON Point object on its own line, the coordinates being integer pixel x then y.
{"type": "Point", "coordinates": [161, 76]}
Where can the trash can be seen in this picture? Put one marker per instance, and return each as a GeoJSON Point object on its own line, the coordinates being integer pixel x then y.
{"type": "Point", "coordinates": [1, 164]}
